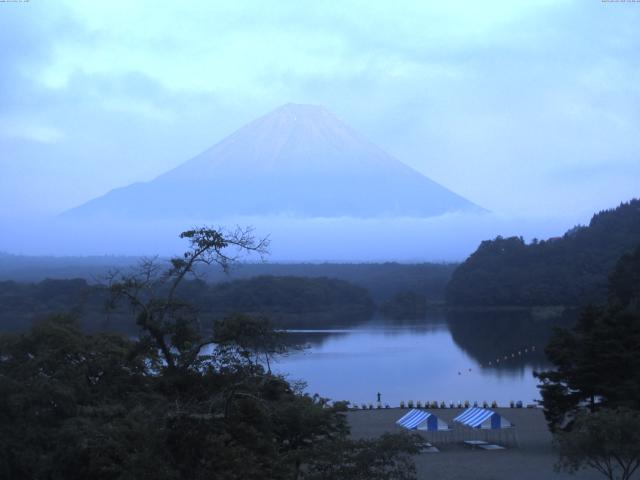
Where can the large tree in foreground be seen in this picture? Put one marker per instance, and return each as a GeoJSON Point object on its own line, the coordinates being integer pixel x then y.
{"type": "Point", "coordinates": [170, 325]}
{"type": "Point", "coordinates": [592, 398]}
{"type": "Point", "coordinates": [597, 363]}
{"type": "Point", "coordinates": [163, 407]}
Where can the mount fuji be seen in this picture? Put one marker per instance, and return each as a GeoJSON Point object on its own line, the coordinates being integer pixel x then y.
{"type": "Point", "coordinates": [298, 160]}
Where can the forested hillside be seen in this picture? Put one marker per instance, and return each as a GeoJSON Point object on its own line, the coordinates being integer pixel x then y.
{"type": "Point", "coordinates": [568, 270]}
{"type": "Point", "coordinates": [382, 280]}
{"type": "Point", "coordinates": [287, 301]}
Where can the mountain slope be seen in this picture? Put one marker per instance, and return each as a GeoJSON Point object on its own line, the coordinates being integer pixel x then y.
{"type": "Point", "coordinates": [571, 270]}
{"type": "Point", "coordinates": [299, 160]}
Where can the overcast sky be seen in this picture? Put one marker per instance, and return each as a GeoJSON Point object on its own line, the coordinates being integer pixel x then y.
{"type": "Point", "coordinates": [528, 108]}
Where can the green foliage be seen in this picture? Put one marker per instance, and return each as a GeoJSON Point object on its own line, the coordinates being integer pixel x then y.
{"type": "Point", "coordinates": [598, 361]}
{"type": "Point", "coordinates": [624, 282]}
{"type": "Point", "coordinates": [77, 406]}
{"type": "Point", "coordinates": [249, 339]}
{"type": "Point", "coordinates": [570, 270]}
{"type": "Point", "coordinates": [597, 364]}
{"type": "Point", "coordinates": [381, 280]}
{"type": "Point", "coordinates": [20, 303]}
{"type": "Point", "coordinates": [379, 459]}
{"type": "Point", "coordinates": [286, 300]}
{"type": "Point", "coordinates": [292, 300]}
{"type": "Point", "coordinates": [607, 440]}
{"type": "Point", "coordinates": [56, 384]}
{"type": "Point", "coordinates": [405, 306]}
{"type": "Point", "coordinates": [170, 405]}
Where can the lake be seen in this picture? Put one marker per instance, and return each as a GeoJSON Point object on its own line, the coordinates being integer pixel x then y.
{"type": "Point", "coordinates": [446, 357]}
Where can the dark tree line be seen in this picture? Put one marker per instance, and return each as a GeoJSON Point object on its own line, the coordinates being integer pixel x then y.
{"type": "Point", "coordinates": [569, 270]}
{"type": "Point", "coordinates": [381, 280]}
{"type": "Point", "coordinates": [286, 300]}
{"type": "Point", "coordinates": [406, 306]}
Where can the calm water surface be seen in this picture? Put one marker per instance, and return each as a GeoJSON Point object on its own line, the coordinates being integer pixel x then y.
{"type": "Point", "coordinates": [445, 359]}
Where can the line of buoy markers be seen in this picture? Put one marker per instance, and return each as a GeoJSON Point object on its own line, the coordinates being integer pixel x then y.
{"type": "Point", "coordinates": [504, 358]}
{"type": "Point", "coordinates": [507, 357]}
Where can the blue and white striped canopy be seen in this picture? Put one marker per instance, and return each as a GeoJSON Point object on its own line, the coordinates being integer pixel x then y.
{"type": "Point", "coordinates": [476, 417]}
{"type": "Point", "coordinates": [421, 420]}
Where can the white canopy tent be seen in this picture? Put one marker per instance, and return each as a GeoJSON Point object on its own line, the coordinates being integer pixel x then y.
{"type": "Point", "coordinates": [422, 420]}
{"type": "Point", "coordinates": [483, 419]}
{"type": "Point", "coordinates": [494, 427]}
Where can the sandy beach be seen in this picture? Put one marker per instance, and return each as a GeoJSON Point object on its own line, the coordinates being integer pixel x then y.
{"type": "Point", "coordinates": [531, 459]}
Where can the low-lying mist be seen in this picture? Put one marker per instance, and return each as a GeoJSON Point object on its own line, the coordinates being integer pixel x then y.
{"type": "Point", "coordinates": [450, 237]}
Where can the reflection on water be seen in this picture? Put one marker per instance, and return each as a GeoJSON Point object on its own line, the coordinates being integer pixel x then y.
{"type": "Point", "coordinates": [446, 357]}
{"type": "Point", "coordinates": [502, 340]}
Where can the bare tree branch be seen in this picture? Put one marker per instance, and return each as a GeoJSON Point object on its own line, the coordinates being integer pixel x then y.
{"type": "Point", "coordinates": [151, 290]}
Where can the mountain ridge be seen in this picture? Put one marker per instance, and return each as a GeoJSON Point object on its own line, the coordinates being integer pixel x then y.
{"type": "Point", "coordinates": [298, 159]}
